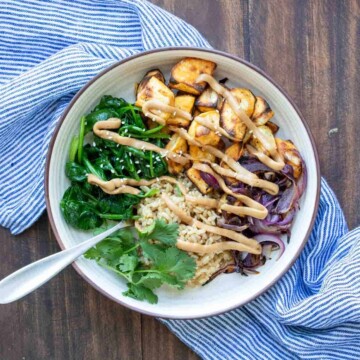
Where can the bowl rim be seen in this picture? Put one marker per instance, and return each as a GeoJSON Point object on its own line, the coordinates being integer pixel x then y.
{"type": "Point", "coordinates": [195, 49]}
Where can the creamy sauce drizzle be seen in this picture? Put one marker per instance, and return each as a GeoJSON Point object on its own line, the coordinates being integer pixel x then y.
{"type": "Point", "coordinates": [276, 164]}
{"type": "Point", "coordinates": [214, 248]}
{"type": "Point", "coordinates": [254, 208]}
{"type": "Point", "coordinates": [212, 125]}
{"type": "Point", "coordinates": [248, 245]}
{"type": "Point", "coordinates": [246, 175]}
{"type": "Point", "coordinates": [101, 129]}
{"type": "Point", "coordinates": [236, 170]}
{"type": "Point", "coordinates": [154, 104]}
{"type": "Point", "coordinates": [121, 186]}
{"type": "Point", "coordinates": [113, 186]}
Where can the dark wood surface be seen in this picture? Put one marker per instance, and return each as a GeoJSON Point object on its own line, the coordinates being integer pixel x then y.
{"type": "Point", "coordinates": [312, 49]}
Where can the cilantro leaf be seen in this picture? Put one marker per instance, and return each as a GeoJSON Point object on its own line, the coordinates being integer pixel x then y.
{"type": "Point", "coordinates": [166, 263]}
{"type": "Point", "coordinates": [161, 231]}
{"type": "Point", "coordinates": [175, 266]}
{"type": "Point", "coordinates": [177, 263]}
{"type": "Point", "coordinates": [151, 251]}
{"type": "Point", "coordinates": [107, 249]}
{"type": "Point", "coordinates": [128, 263]}
{"type": "Point", "coordinates": [140, 292]}
{"type": "Point", "coordinates": [151, 280]}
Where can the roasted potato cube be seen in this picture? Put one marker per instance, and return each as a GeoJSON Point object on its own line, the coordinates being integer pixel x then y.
{"type": "Point", "coordinates": [197, 154]}
{"type": "Point", "coordinates": [186, 103]}
{"type": "Point", "coordinates": [220, 103]}
{"type": "Point", "coordinates": [262, 112]}
{"type": "Point", "coordinates": [268, 133]}
{"type": "Point", "coordinates": [234, 151]}
{"type": "Point", "coordinates": [229, 121]}
{"type": "Point", "coordinates": [247, 137]}
{"type": "Point", "coordinates": [186, 71]}
{"type": "Point", "coordinates": [178, 145]}
{"type": "Point", "coordinates": [155, 89]}
{"type": "Point", "coordinates": [196, 179]}
{"type": "Point", "coordinates": [291, 155]}
{"type": "Point", "coordinates": [273, 127]}
{"type": "Point", "coordinates": [207, 101]}
{"type": "Point", "coordinates": [246, 99]}
{"type": "Point", "coordinates": [155, 72]}
{"type": "Point", "coordinates": [221, 145]}
{"type": "Point", "coordinates": [202, 133]}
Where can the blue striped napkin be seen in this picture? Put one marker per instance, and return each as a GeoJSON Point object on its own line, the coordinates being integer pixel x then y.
{"type": "Point", "coordinates": [48, 51]}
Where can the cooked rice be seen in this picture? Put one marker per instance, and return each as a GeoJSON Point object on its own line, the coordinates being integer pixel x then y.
{"type": "Point", "coordinates": [154, 207]}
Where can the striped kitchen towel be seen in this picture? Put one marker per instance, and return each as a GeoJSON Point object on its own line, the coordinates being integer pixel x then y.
{"type": "Point", "coordinates": [48, 51]}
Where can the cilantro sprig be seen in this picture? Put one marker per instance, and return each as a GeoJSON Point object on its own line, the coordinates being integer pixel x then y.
{"type": "Point", "coordinates": [145, 259]}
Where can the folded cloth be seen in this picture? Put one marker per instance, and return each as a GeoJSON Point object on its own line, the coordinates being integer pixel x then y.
{"type": "Point", "coordinates": [49, 50]}
{"type": "Point", "coordinates": [313, 312]}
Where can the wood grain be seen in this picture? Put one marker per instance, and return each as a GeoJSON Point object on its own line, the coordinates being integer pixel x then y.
{"type": "Point", "coordinates": [312, 49]}
{"type": "Point", "coordinates": [66, 318]}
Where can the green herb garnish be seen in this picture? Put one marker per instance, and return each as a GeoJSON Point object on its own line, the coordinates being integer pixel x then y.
{"type": "Point", "coordinates": [124, 251]}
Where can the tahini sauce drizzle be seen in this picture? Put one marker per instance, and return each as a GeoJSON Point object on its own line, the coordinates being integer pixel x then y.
{"type": "Point", "coordinates": [276, 164]}
{"type": "Point", "coordinates": [154, 104]}
{"type": "Point", "coordinates": [117, 186]}
{"type": "Point", "coordinates": [242, 242]}
{"type": "Point", "coordinates": [101, 129]}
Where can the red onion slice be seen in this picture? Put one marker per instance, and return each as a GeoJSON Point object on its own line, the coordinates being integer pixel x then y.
{"type": "Point", "coordinates": [237, 228]}
{"type": "Point", "coordinates": [210, 180]}
{"type": "Point", "coordinates": [269, 239]}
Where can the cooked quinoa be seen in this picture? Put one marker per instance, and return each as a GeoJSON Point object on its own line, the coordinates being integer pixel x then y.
{"type": "Point", "coordinates": [154, 207]}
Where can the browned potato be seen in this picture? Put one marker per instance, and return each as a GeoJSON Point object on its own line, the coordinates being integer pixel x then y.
{"type": "Point", "coordinates": [220, 103]}
{"type": "Point", "coordinates": [273, 127]}
{"type": "Point", "coordinates": [291, 155]}
{"type": "Point", "coordinates": [247, 137]}
{"type": "Point", "coordinates": [203, 134]}
{"type": "Point", "coordinates": [196, 179]}
{"type": "Point", "coordinates": [234, 151]}
{"type": "Point", "coordinates": [197, 154]}
{"type": "Point", "coordinates": [262, 112]}
{"type": "Point", "coordinates": [186, 103]}
{"type": "Point", "coordinates": [155, 72]}
{"type": "Point", "coordinates": [229, 121]}
{"type": "Point", "coordinates": [221, 145]}
{"type": "Point", "coordinates": [155, 89]}
{"type": "Point", "coordinates": [178, 145]}
{"type": "Point", "coordinates": [207, 101]}
{"type": "Point", "coordinates": [196, 113]}
{"type": "Point", "coordinates": [268, 133]}
{"type": "Point", "coordinates": [186, 71]}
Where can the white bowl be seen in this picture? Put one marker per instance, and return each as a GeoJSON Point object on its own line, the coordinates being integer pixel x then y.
{"type": "Point", "coordinates": [226, 292]}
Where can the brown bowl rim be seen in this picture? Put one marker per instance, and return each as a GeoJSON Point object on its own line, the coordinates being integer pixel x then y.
{"type": "Point", "coordinates": [130, 58]}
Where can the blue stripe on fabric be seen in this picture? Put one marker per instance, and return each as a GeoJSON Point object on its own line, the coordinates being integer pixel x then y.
{"type": "Point", "coordinates": [313, 312]}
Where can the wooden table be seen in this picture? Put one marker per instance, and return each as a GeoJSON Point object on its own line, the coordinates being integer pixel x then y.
{"type": "Point", "coordinates": [312, 49]}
